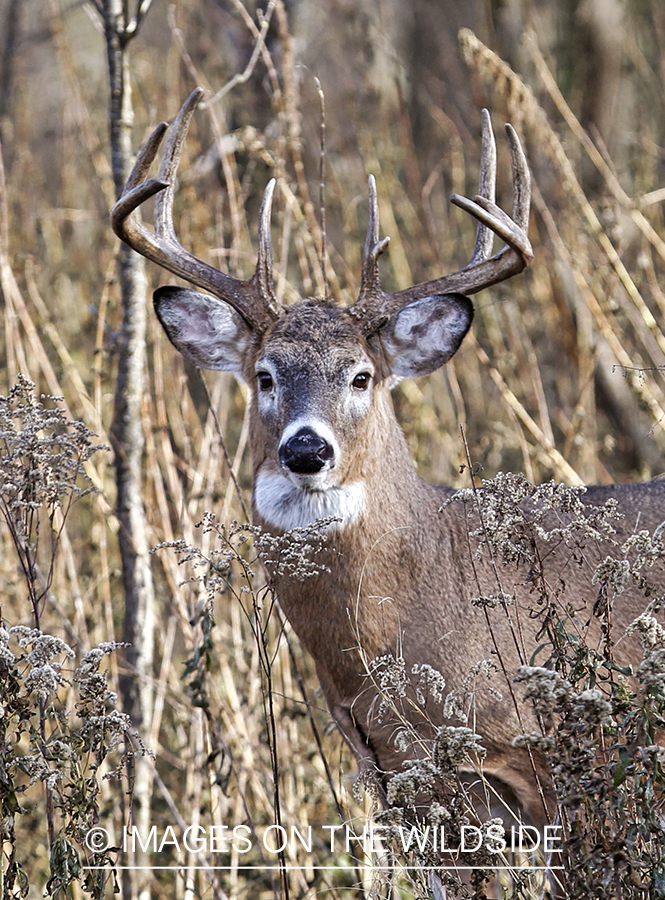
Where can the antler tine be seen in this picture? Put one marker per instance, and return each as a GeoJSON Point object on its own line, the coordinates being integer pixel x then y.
{"type": "Point", "coordinates": [168, 166]}
{"type": "Point", "coordinates": [483, 270]}
{"type": "Point", "coordinates": [263, 272]}
{"type": "Point", "coordinates": [136, 191]}
{"type": "Point", "coordinates": [145, 157]}
{"type": "Point", "coordinates": [486, 188]}
{"type": "Point", "coordinates": [521, 180]}
{"type": "Point", "coordinates": [511, 230]}
{"type": "Point", "coordinates": [125, 206]}
{"type": "Point", "coordinates": [370, 284]}
{"type": "Point", "coordinates": [254, 300]}
{"type": "Point", "coordinates": [370, 297]}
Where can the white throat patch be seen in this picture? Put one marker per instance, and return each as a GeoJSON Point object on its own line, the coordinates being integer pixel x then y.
{"type": "Point", "coordinates": [286, 505]}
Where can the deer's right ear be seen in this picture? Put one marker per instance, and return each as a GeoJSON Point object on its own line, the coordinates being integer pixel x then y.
{"type": "Point", "coordinates": [207, 331]}
{"type": "Point", "coordinates": [423, 335]}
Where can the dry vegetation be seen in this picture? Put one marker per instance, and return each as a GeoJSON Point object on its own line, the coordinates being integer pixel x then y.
{"type": "Point", "coordinates": [562, 377]}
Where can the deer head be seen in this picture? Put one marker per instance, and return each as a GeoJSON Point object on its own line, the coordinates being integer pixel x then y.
{"type": "Point", "coordinates": [319, 374]}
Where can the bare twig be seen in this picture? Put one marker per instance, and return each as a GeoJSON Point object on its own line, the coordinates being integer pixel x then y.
{"type": "Point", "coordinates": [322, 170]}
{"type": "Point", "coordinates": [246, 74]}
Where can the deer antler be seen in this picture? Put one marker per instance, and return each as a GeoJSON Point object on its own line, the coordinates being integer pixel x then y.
{"type": "Point", "coordinates": [254, 300]}
{"type": "Point", "coordinates": [374, 305]}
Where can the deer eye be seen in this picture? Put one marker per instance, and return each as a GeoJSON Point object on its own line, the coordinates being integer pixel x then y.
{"type": "Point", "coordinates": [264, 380]}
{"type": "Point", "coordinates": [361, 381]}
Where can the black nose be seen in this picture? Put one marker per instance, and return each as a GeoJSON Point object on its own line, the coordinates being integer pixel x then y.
{"type": "Point", "coordinates": [305, 453]}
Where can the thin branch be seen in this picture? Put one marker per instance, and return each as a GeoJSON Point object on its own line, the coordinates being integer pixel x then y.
{"type": "Point", "coordinates": [656, 196]}
{"type": "Point", "coordinates": [97, 5]}
{"type": "Point", "coordinates": [322, 171]}
{"type": "Point", "coordinates": [246, 74]}
{"type": "Point", "coordinates": [222, 442]}
{"type": "Point", "coordinates": [142, 8]}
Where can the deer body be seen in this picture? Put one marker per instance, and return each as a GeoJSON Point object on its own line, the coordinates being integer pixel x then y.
{"type": "Point", "coordinates": [400, 567]}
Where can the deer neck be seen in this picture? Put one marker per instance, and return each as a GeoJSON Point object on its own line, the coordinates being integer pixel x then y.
{"type": "Point", "coordinates": [373, 554]}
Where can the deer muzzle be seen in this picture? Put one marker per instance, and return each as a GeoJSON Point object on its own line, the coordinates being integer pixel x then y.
{"type": "Point", "coordinates": [306, 453]}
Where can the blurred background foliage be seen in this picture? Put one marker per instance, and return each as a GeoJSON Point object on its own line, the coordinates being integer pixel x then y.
{"type": "Point", "coordinates": [562, 376]}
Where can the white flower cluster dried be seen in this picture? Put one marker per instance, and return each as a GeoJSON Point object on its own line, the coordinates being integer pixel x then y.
{"type": "Point", "coordinates": [44, 671]}
{"type": "Point", "coordinates": [514, 514]}
{"type": "Point", "coordinates": [453, 744]}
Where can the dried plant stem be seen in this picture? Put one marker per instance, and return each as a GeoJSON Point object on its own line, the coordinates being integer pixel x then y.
{"type": "Point", "coordinates": [246, 74]}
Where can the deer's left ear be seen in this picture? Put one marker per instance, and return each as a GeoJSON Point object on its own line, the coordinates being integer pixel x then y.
{"type": "Point", "coordinates": [422, 336]}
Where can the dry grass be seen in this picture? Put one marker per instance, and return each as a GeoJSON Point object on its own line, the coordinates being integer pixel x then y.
{"type": "Point", "coordinates": [563, 375]}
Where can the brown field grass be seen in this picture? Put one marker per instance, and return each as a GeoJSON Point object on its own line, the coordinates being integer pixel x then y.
{"type": "Point", "coordinates": [563, 375]}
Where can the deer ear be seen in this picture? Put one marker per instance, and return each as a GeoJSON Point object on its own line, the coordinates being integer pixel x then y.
{"type": "Point", "coordinates": [207, 331]}
{"type": "Point", "coordinates": [422, 336]}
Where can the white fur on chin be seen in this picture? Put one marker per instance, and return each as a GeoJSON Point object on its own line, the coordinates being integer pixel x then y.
{"type": "Point", "coordinates": [286, 505]}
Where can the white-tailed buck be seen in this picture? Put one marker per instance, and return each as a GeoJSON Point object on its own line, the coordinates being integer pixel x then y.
{"type": "Point", "coordinates": [325, 443]}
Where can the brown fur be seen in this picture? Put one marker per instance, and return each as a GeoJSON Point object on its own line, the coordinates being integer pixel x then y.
{"type": "Point", "coordinates": [401, 570]}
{"type": "Point", "coordinates": [400, 579]}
